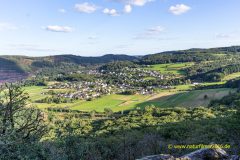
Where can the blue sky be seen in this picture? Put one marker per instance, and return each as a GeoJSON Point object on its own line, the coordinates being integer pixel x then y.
{"type": "Point", "coordinates": [98, 27]}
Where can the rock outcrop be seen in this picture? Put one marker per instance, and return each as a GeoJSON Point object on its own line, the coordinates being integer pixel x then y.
{"type": "Point", "coordinates": [158, 157]}
{"type": "Point", "coordinates": [202, 154]}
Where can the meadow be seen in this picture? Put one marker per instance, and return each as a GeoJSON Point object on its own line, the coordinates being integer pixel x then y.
{"type": "Point", "coordinates": [115, 101]}
{"type": "Point", "coordinates": [231, 76]}
{"type": "Point", "coordinates": [172, 68]}
{"type": "Point", "coordinates": [178, 97]}
{"type": "Point", "coordinates": [193, 98]}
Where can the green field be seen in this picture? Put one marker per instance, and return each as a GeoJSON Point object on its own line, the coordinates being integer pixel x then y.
{"type": "Point", "coordinates": [115, 102]}
{"type": "Point", "coordinates": [35, 92]}
{"type": "Point", "coordinates": [189, 99]}
{"type": "Point", "coordinates": [166, 98]}
{"type": "Point", "coordinates": [232, 76]}
{"type": "Point", "coordinates": [173, 68]}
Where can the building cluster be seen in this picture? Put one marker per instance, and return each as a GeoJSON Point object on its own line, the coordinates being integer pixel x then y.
{"type": "Point", "coordinates": [126, 80]}
{"type": "Point", "coordinates": [83, 90]}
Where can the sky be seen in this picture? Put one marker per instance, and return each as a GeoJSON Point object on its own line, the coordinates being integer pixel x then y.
{"type": "Point", "coordinates": [98, 27]}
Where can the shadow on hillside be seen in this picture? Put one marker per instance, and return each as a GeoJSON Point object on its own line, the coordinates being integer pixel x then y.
{"type": "Point", "coordinates": [163, 101]}
{"type": "Point", "coordinates": [193, 98]}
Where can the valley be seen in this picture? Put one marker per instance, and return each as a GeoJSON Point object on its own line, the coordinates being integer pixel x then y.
{"type": "Point", "coordinates": [121, 85]}
{"type": "Point", "coordinates": [119, 80]}
{"type": "Point", "coordinates": [189, 97]}
{"type": "Point", "coordinates": [117, 102]}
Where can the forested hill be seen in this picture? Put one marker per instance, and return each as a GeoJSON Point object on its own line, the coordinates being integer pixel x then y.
{"type": "Point", "coordinates": [92, 60]}
{"type": "Point", "coordinates": [13, 68]}
{"type": "Point", "coordinates": [24, 64]}
{"type": "Point", "coordinates": [7, 64]}
{"type": "Point", "coordinates": [190, 55]}
{"type": "Point", "coordinates": [14, 65]}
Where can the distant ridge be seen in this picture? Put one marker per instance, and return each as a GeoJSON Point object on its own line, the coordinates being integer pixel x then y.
{"type": "Point", "coordinates": [190, 55]}
{"type": "Point", "coordinates": [14, 67]}
{"type": "Point", "coordinates": [92, 60]}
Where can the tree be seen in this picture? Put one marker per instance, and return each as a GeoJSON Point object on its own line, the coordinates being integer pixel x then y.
{"type": "Point", "coordinates": [205, 96]}
{"type": "Point", "coordinates": [108, 112]}
{"type": "Point", "coordinates": [93, 114]}
{"type": "Point", "coordinates": [19, 122]}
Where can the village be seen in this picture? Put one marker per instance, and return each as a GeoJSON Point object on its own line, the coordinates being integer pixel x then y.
{"type": "Point", "coordinates": [125, 82]}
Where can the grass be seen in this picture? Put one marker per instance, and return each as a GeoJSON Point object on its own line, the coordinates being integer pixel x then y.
{"type": "Point", "coordinates": [231, 76]}
{"type": "Point", "coordinates": [34, 92]}
{"type": "Point", "coordinates": [187, 87]}
{"type": "Point", "coordinates": [173, 68]}
{"type": "Point", "coordinates": [213, 83]}
{"type": "Point", "coordinates": [178, 97]}
{"type": "Point", "coordinates": [193, 98]}
{"type": "Point", "coordinates": [149, 78]}
{"type": "Point", "coordinates": [219, 55]}
{"type": "Point", "coordinates": [115, 102]}
{"type": "Point", "coordinates": [183, 87]}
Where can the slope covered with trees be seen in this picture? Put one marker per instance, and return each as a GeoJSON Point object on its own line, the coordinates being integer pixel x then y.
{"type": "Point", "coordinates": [132, 135]}
{"type": "Point", "coordinates": [14, 68]}
{"type": "Point", "coordinates": [191, 55]}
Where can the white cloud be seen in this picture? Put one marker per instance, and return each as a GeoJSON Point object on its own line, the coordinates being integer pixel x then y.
{"type": "Point", "coordinates": [127, 8]}
{"type": "Point", "coordinates": [139, 2]}
{"type": "Point", "coordinates": [92, 37]}
{"type": "Point", "coordinates": [62, 10]}
{"type": "Point", "coordinates": [59, 28]}
{"type": "Point", "coordinates": [111, 12]}
{"type": "Point", "coordinates": [134, 2]}
{"type": "Point", "coordinates": [155, 30]}
{"type": "Point", "coordinates": [7, 26]}
{"type": "Point", "coordinates": [221, 35]}
{"type": "Point", "coordinates": [86, 7]}
{"type": "Point", "coordinates": [179, 9]}
{"type": "Point", "coordinates": [151, 33]}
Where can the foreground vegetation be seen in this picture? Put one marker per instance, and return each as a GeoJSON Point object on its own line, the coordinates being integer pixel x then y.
{"type": "Point", "coordinates": [131, 135]}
